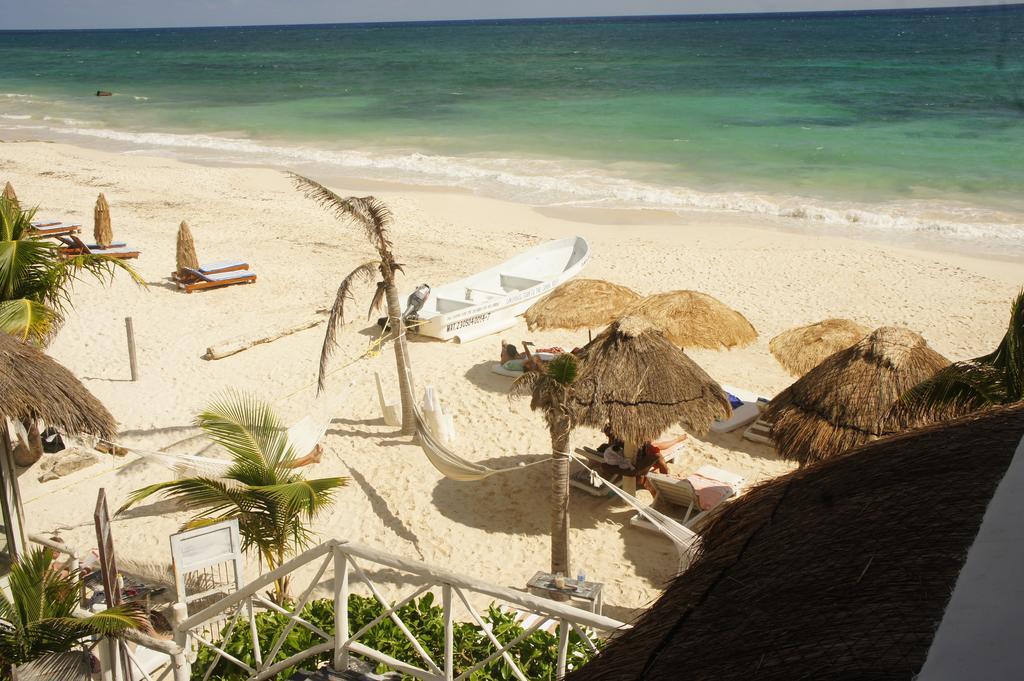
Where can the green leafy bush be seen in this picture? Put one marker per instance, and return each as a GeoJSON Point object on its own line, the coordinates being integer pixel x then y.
{"type": "Point", "coordinates": [537, 654]}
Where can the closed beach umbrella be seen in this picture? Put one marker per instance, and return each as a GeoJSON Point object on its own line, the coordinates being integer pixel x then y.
{"type": "Point", "coordinates": [581, 304]}
{"type": "Point", "coordinates": [101, 230]}
{"type": "Point", "coordinates": [844, 570]}
{"type": "Point", "coordinates": [634, 379]}
{"type": "Point", "coordinates": [801, 349]}
{"type": "Point", "coordinates": [36, 388]}
{"type": "Point", "coordinates": [185, 257]}
{"type": "Point", "coordinates": [10, 195]}
{"type": "Point", "coordinates": [847, 400]}
{"type": "Point", "coordinates": [692, 319]}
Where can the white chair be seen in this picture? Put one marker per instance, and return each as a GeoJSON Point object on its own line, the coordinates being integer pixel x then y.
{"type": "Point", "coordinates": [388, 410]}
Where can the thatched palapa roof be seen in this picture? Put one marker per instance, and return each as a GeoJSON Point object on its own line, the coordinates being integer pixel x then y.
{"type": "Point", "coordinates": [581, 304]}
{"type": "Point", "coordinates": [35, 386]}
{"type": "Point", "coordinates": [10, 195]}
{"type": "Point", "coordinates": [846, 400]}
{"type": "Point", "coordinates": [185, 255]}
{"type": "Point", "coordinates": [634, 379]}
{"type": "Point", "coordinates": [101, 229]}
{"type": "Point", "coordinates": [841, 570]}
{"type": "Point", "coordinates": [801, 349]}
{"type": "Point", "coordinates": [692, 319]}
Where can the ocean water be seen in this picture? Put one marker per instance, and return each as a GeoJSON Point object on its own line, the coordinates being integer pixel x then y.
{"type": "Point", "coordinates": [894, 125]}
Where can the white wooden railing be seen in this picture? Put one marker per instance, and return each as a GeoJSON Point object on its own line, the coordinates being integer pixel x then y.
{"type": "Point", "coordinates": [347, 561]}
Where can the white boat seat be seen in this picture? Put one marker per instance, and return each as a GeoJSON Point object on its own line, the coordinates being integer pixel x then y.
{"type": "Point", "coordinates": [451, 305]}
{"type": "Point", "coordinates": [482, 292]}
{"type": "Point", "coordinates": [512, 282]}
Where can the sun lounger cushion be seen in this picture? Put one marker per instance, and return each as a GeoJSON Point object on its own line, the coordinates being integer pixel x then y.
{"type": "Point", "coordinates": [226, 264]}
{"type": "Point", "coordinates": [500, 369]}
{"type": "Point", "coordinates": [745, 414]}
{"type": "Point", "coordinates": [227, 276]}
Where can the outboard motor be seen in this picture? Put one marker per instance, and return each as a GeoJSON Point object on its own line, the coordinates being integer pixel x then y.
{"type": "Point", "coordinates": [417, 299]}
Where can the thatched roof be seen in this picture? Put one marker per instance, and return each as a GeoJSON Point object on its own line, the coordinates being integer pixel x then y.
{"type": "Point", "coordinates": [841, 570]}
{"type": "Point", "coordinates": [35, 386]}
{"type": "Point", "coordinates": [101, 229]}
{"type": "Point", "coordinates": [185, 255]}
{"type": "Point", "coordinates": [692, 319]}
{"type": "Point", "coordinates": [801, 349]}
{"type": "Point", "coordinates": [846, 400]}
{"type": "Point", "coordinates": [581, 304]}
{"type": "Point", "coordinates": [10, 195]}
{"type": "Point", "coordinates": [633, 378]}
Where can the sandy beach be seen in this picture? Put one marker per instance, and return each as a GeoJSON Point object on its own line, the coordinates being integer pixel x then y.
{"type": "Point", "coordinates": [496, 529]}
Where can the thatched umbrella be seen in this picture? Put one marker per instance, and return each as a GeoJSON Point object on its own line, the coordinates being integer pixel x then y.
{"type": "Point", "coordinates": [692, 319]}
{"type": "Point", "coordinates": [185, 257]}
{"type": "Point", "coordinates": [36, 388]}
{"type": "Point", "coordinates": [801, 349]}
{"type": "Point", "coordinates": [581, 304]}
{"type": "Point", "coordinates": [846, 400]}
{"type": "Point", "coordinates": [841, 570]}
{"type": "Point", "coordinates": [11, 196]}
{"type": "Point", "coordinates": [633, 379]}
{"type": "Point", "coordinates": [101, 230]}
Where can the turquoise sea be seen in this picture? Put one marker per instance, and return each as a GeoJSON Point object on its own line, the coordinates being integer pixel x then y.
{"type": "Point", "coordinates": [909, 124]}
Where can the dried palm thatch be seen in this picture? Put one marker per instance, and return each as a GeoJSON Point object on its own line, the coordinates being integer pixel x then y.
{"type": "Point", "coordinates": [36, 387]}
{"type": "Point", "coordinates": [11, 196]}
{"type": "Point", "coordinates": [801, 349]}
{"type": "Point", "coordinates": [847, 400]}
{"type": "Point", "coordinates": [101, 230]}
{"type": "Point", "coordinates": [185, 255]}
{"type": "Point", "coordinates": [581, 304]}
{"type": "Point", "coordinates": [692, 319]}
{"type": "Point", "coordinates": [634, 379]}
{"type": "Point", "coordinates": [841, 570]}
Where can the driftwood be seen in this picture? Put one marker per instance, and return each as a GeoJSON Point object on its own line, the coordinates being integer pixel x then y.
{"type": "Point", "coordinates": [237, 345]}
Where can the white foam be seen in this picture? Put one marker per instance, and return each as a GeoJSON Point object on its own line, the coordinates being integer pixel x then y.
{"type": "Point", "coordinates": [547, 182]}
{"type": "Point", "coordinates": [16, 117]}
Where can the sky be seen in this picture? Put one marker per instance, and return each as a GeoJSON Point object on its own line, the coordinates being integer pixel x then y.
{"type": "Point", "coordinates": [36, 14]}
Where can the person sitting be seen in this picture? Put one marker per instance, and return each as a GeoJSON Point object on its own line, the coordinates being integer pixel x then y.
{"type": "Point", "coordinates": [649, 456]}
{"type": "Point", "coordinates": [513, 360]}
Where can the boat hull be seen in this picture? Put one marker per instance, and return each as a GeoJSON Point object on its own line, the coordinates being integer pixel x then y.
{"type": "Point", "coordinates": [490, 301]}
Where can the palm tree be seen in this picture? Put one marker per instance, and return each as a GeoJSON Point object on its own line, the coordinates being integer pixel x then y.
{"type": "Point", "coordinates": [35, 286]}
{"type": "Point", "coordinates": [993, 379]}
{"type": "Point", "coordinates": [549, 392]}
{"type": "Point", "coordinates": [375, 220]}
{"type": "Point", "coordinates": [37, 614]}
{"type": "Point", "coordinates": [262, 490]}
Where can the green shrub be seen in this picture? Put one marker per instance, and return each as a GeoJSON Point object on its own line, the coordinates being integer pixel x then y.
{"type": "Point", "coordinates": [537, 654]}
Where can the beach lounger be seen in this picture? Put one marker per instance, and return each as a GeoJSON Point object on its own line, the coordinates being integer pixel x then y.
{"type": "Point", "coordinates": [742, 414]}
{"type": "Point", "coordinates": [688, 500]}
{"type": "Point", "coordinates": [580, 478]}
{"type": "Point", "coordinates": [760, 431]}
{"type": "Point", "coordinates": [56, 228]}
{"type": "Point", "coordinates": [193, 280]}
{"type": "Point", "coordinates": [73, 246]}
{"type": "Point", "coordinates": [219, 267]}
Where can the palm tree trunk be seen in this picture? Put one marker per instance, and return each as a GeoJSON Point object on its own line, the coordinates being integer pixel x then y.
{"type": "Point", "coordinates": [560, 498]}
{"type": "Point", "coordinates": [401, 355]}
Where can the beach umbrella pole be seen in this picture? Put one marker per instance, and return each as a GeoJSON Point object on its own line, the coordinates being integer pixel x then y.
{"type": "Point", "coordinates": [132, 356]}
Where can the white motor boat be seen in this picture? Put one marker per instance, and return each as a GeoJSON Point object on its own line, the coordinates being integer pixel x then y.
{"type": "Point", "coordinates": [490, 301]}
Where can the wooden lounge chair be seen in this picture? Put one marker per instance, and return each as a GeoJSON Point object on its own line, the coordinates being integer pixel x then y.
{"type": "Point", "coordinates": [190, 280]}
{"type": "Point", "coordinates": [678, 500]}
{"type": "Point", "coordinates": [55, 228]}
{"type": "Point", "coordinates": [580, 478]}
{"type": "Point", "coordinates": [72, 246]}
{"type": "Point", "coordinates": [218, 267]}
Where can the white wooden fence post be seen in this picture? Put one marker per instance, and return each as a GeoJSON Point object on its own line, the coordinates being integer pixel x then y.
{"type": "Point", "coordinates": [449, 633]}
{"type": "Point", "coordinates": [182, 667]}
{"type": "Point", "coordinates": [341, 632]}
{"type": "Point", "coordinates": [563, 646]}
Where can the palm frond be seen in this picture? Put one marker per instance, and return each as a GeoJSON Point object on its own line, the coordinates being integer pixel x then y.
{"type": "Point", "coordinates": [370, 213]}
{"type": "Point", "coordinates": [362, 274]}
{"type": "Point", "coordinates": [246, 427]}
{"type": "Point", "coordinates": [377, 303]}
{"type": "Point", "coordinates": [306, 497]}
{"type": "Point", "coordinates": [27, 319]}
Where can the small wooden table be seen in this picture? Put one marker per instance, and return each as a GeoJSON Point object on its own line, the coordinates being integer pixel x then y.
{"type": "Point", "coordinates": [591, 592]}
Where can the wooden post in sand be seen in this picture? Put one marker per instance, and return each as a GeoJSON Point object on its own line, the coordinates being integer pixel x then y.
{"type": "Point", "coordinates": [132, 358]}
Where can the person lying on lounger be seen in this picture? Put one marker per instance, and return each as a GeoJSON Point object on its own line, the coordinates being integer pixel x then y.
{"type": "Point", "coordinates": [314, 456]}
{"type": "Point", "coordinates": [512, 360]}
{"type": "Point", "coordinates": [648, 457]}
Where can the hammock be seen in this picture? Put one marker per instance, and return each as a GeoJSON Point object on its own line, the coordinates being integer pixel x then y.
{"type": "Point", "coordinates": [455, 467]}
{"type": "Point", "coordinates": [303, 437]}
{"type": "Point", "coordinates": [451, 465]}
